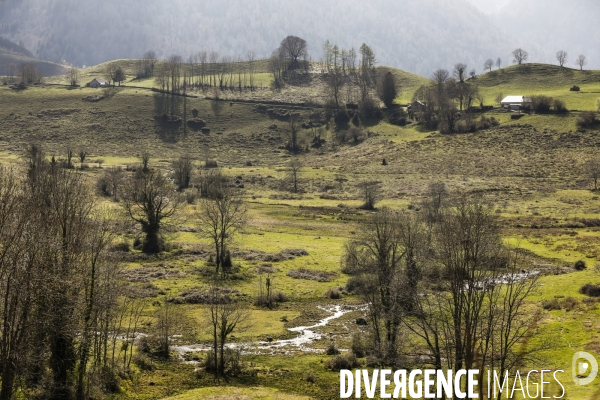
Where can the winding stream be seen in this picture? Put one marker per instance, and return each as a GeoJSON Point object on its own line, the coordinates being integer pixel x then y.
{"type": "Point", "coordinates": [303, 342]}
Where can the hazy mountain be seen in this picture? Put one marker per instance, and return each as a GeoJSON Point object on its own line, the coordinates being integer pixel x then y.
{"type": "Point", "coordinates": [416, 35]}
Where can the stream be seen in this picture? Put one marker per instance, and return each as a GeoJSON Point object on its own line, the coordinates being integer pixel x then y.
{"type": "Point", "coordinates": [303, 342]}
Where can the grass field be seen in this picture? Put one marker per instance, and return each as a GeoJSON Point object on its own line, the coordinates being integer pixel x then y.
{"type": "Point", "coordinates": [531, 169]}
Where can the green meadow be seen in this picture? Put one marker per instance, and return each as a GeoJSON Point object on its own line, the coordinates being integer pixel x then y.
{"type": "Point", "coordinates": [531, 169]}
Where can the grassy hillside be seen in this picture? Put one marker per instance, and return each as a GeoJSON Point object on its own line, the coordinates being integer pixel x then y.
{"type": "Point", "coordinates": [533, 176]}
{"type": "Point", "coordinates": [552, 80]}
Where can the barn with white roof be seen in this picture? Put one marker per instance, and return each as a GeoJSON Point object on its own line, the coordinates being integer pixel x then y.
{"type": "Point", "coordinates": [516, 102]}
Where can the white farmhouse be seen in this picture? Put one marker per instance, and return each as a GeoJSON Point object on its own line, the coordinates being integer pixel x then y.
{"type": "Point", "coordinates": [516, 102]}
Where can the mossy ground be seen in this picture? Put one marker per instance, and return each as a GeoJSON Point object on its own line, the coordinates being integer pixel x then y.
{"type": "Point", "coordinates": [531, 169]}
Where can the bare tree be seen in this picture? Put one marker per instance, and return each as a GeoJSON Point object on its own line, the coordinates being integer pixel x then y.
{"type": "Point", "coordinates": [73, 76]}
{"type": "Point", "coordinates": [460, 71]}
{"type": "Point", "coordinates": [293, 133]}
{"type": "Point", "coordinates": [371, 193]}
{"type": "Point", "coordinates": [581, 61]}
{"type": "Point", "coordinates": [472, 73]}
{"type": "Point", "coordinates": [335, 82]}
{"type": "Point", "coordinates": [440, 77]}
{"type": "Point", "coordinates": [224, 318]}
{"type": "Point", "coordinates": [591, 168]}
{"type": "Point", "coordinates": [182, 171]}
{"type": "Point", "coordinates": [561, 57]}
{"type": "Point", "coordinates": [498, 62]}
{"type": "Point", "coordinates": [489, 63]}
{"type": "Point", "coordinates": [149, 199]}
{"type": "Point", "coordinates": [220, 217]}
{"type": "Point", "coordinates": [294, 170]}
{"type": "Point", "coordinates": [520, 56]}
{"type": "Point", "coordinates": [251, 56]}
{"type": "Point", "coordinates": [294, 48]}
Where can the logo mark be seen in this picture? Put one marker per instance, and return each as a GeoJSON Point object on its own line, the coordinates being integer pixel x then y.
{"type": "Point", "coordinates": [579, 368]}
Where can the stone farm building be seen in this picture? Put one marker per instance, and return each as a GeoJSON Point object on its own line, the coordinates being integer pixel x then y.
{"type": "Point", "coordinates": [96, 83]}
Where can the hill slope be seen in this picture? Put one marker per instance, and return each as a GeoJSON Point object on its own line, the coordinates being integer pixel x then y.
{"type": "Point", "coordinates": [552, 80]}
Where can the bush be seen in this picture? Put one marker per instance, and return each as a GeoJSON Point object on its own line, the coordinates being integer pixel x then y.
{"type": "Point", "coordinates": [590, 289]}
{"type": "Point", "coordinates": [586, 119]}
{"type": "Point", "coordinates": [516, 116]}
{"type": "Point", "coordinates": [310, 377]}
{"type": "Point", "coordinates": [333, 294]}
{"type": "Point", "coordinates": [143, 362]}
{"type": "Point", "coordinates": [369, 109]}
{"type": "Point", "coordinates": [575, 88]}
{"type": "Point", "coordinates": [109, 380]}
{"type": "Point", "coordinates": [332, 349]}
{"type": "Point", "coordinates": [541, 103]}
{"type": "Point", "coordinates": [339, 362]}
{"type": "Point", "coordinates": [358, 348]}
{"type": "Point", "coordinates": [559, 106]}
{"type": "Point", "coordinates": [353, 134]}
{"type": "Point", "coordinates": [551, 305]}
{"type": "Point", "coordinates": [211, 164]}
{"type": "Point", "coordinates": [569, 303]}
{"type": "Point", "coordinates": [580, 265]}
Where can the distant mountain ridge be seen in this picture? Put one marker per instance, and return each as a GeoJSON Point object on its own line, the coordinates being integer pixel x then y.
{"type": "Point", "coordinates": [414, 35]}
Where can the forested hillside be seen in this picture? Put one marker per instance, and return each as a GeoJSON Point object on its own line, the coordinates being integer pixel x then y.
{"type": "Point", "coordinates": [413, 35]}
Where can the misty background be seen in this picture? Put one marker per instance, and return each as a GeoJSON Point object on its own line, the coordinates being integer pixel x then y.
{"type": "Point", "coordinates": [415, 35]}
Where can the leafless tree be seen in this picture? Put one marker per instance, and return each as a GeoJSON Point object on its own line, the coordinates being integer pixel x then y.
{"type": "Point", "coordinates": [73, 76]}
{"type": "Point", "coordinates": [224, 318]}
{"type": "Point", "coordinates": [335, 82]}
{"type": "Point", "coordinates": [293, 134]}
{"type": "Point", "coordinates": [251, 57]}
{"type": "Point", "coordinates": [498, 62]}
{"type": "Point", "coordinates": [371, 193]}
{"type": "Point", "coordinates": [440, 77]}
{"type": "Point", "coordinates": [460, 71]}
{"type": "Point", "coordinates": [581, 61]}
{"type": "Point", "coordinates": [294, 48]}
{"type": "Point", "coordinates": [149, 199]}
{"type": "Point", "coordinates": [520, 56]}
{"type": "Point", "coordinates": [294, 170]}
{"type": "Point", "coordinates": [561, 57]}
{"type": "Point", "coordinates": [591, 168]}
{"type": "Point", "coordinates": [489, 63]}
{"type": "Point", "coordinates": [220, 217]}
{"type": "Point", "coordinates": [182, 171]}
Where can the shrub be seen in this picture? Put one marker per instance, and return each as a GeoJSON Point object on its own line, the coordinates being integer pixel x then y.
{"type": "Point", "coordinates": [109, 380]}
{"type": "Point", "coordinates": [333, 294]}
{"type": "Point", "coordinates": [559, 106]}
{"type": "Point", "coordinates": [211, 164]}
{"type": "Point", "coordinates": [551, 305]}
{"type": "Point", "coordinates": [358, 348]}
{"type": "Point", "coordinates": [586, 119]}
{"type": "Point", "coordinates": [310, 377]}
{"type": "Point", "coordinates": [332, 349]}
{"type": "Point", "coordinates": [569, 303]}
{"type": "Point", "coordinates": [280, 297]}
{"type": "Point", "coordinates": [516, 116]}
{"type": "Point", "coordinates": [314, 275]}
{"type": "Point", "coordinates": [590, 289]}
{"type": "Point", "coordinates": [575, 88]}
{"type": "Point", "coordinates": [541, 103]}
{"type": "Point", "coordinates": [369, 109]}
{"type": "Point", "coordinates": [580, 265]}
{"type": "Point", "coordinates": [339, 362]}
{"type": "Point", "coordinates": [143, 362]}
